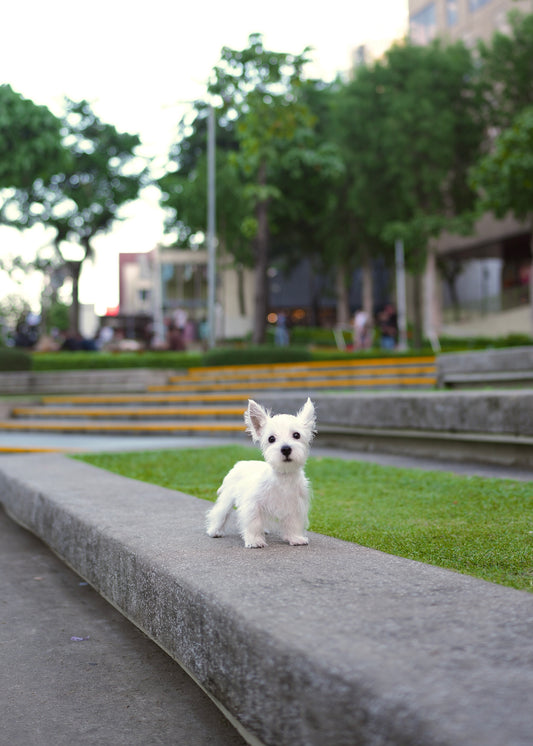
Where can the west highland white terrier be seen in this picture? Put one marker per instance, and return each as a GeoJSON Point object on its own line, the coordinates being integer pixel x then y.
{"type": "Point", "coordinates": [271, 494]}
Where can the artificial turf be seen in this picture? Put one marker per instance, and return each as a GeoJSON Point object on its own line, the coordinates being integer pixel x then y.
{"type": "Point", "coordinates": [474, 525]}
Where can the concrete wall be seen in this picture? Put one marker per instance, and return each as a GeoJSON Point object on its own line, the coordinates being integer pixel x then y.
{"type": "Point", "coordinates": [494, 427]}
{"type": "Point", "coordinates": [486, 367]}
{"type": "Point", "coordinates": [486, 361]}
{"type": "Point", "coordinates": [82, 381]}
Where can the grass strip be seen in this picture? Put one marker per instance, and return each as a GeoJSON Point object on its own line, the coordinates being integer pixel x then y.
{"type": "Point", "coordinates": [473, 525]}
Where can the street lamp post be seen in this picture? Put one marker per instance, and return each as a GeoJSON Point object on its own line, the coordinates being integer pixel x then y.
{"type": "Point", "coordinates": [211, 228]}
{"type": "Point", "coordinates": [211, 224]}
{"type": "Point", "coordinates": [401, 300]}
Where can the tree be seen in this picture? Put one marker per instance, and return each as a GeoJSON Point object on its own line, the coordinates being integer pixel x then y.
{"type": "Point", "coordinates": [259, 88]}
{"type": "Point", "coordinates": [503, 179]}
{"type": "Point", "coordinates": [430, 133]}
{"type": "Point", "coordinates": [451, 268]}
{"type": "Point", "coordinates": [506, 68]}
{"type": "Point", "coordinates": [184, 186]}
{"type": "Point", "coordinates": [84, 199]}
{"type": "Point", "coordinates": [30, 141]}
{"type": "Point", "coordinates": [184, 191]}
{"type": "Point", "coordinates": [301, 171]}
{"type": "Point", "coordinates": [308, 171]}
{"type": "Point", "coordinates": [368, 197]}
{"type": "Point", "coordinates": [30, 149]}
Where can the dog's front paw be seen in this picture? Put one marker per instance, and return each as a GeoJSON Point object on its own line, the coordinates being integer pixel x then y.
{"type": "Point", "coordinates": [215, 533]}
{"type": "Point", "coordinates": [297, 541]}
{"type": "Point", "coordinates": [256, 542]}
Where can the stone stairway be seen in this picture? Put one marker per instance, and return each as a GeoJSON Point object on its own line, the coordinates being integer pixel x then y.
{"type": "Point", "coordinates": [212, 400]}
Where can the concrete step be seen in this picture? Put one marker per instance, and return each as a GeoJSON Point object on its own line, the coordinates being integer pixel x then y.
{"type": "Point", "coordinates": [129, 412]}
{"type": "Point", "coordinates": [331, 643]}
{"type": "Point", "coordinates": [144, 399]}
{"type": "Point", "coordinates": [144, 427]}
{"type": "Point", "coordinates": [394, 367]}
{"type": "Point", "coordinates": [383, 380]}
{"type": "Point", "coordinates": [314, 365]}
{"type": "Point", "coordinates": [489, 427]}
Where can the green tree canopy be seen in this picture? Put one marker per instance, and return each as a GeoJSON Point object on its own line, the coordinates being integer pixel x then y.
{"type": "Point", "coordinates": [310, 173]}
{"type": "Point", "coordinates": [425, 133]}
{"type": "Point", "coordinates": [260, 89]}
{"type": "Point", "coordinates": [184, 186]}
{"type": "Point", "coordinates": [506, 66]}
{"type": "Point", "coordinates": [84, 199]}
{"type": "Point", "coordinates": [30, 141]}
{"type": "Point", "coordinates": [504, 177]}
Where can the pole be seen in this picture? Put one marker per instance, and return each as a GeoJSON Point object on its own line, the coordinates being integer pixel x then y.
{"type": "Point", "coordinates": [157, 301]}
{"type": "Point", "coordinates": [401, 302]}
{"type": "Point", "coordinates": [211, 229]}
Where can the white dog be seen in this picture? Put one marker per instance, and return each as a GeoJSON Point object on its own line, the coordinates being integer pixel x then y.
{"type": "Point", "coordinates": [270, 494]}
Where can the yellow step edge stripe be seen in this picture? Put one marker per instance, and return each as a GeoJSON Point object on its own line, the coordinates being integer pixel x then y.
{"type": "Point", "coordinates": [319, 364]}
{"type": "Point", "coordinates": [309, 375]}
{"type": "Point", "coordinates": [32, 449]}
{"type": "Point", "coordinates": [121, 427]}
{"type": "Point", "coordinates": [140, 411]}
{"type": "Point", "coordinates": [135, 398]}
{"type": "Point", "coordinates": [346, 383]}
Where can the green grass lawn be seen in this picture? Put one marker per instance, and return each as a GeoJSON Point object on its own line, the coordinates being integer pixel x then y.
{"type": "Point", "coordinates": [478, 526]}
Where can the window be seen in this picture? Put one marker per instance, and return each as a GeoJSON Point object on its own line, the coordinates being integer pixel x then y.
{"type": "Point", "coordinates": [474, 5]}
{"type": "Point", "coordinates": [452, 12]}
{"type": "Point", "coordinates": [423, 25]}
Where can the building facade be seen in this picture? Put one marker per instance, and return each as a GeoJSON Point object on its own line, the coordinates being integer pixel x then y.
{"type": "Point", "coordinates": [492, 266]}
{"type": "Point", "coordinates": [465, 20]}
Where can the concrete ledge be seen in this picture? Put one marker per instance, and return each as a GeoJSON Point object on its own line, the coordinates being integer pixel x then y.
{"type": "Point", "coordinates": [506, 450]}
{"type": "Point", "coordinates": [515, 379]}
{"type": "Point", "coordinates": [327, 644]}
{"type": "Point", "coordinates": [509, 366]}
{"type": "Point", "coordinates": [494, 412]}
{"type": "Point", "coordinates": [493, 427]}
{"type": "Point", "coordinates": [127, 380]}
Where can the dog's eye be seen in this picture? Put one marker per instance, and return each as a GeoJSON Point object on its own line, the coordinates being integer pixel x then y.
{"type": "Point", "coordinates": [272, 439]}
{"type": "Point", "coordinates": [296, 436]}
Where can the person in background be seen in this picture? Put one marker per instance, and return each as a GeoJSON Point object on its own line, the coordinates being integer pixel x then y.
{"type": "Point", "coordinates": [282, 333]}
{"type": "Point", "coordinates": [361, 330]}
{"type": "Point", "coordinates": [388, 326]}
{"type": "Point", "coordinates": [175, 339]}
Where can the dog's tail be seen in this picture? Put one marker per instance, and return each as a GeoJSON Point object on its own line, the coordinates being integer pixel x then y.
{"type": "Point", "coordinates": [218, 515]}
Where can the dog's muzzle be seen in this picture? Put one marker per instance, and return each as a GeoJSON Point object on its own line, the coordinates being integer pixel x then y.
{"type": "Point", "coordinates": [286, 452]}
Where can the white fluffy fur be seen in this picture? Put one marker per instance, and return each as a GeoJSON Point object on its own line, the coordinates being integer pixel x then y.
{"type": "Point", "coordinates": [271, 494]}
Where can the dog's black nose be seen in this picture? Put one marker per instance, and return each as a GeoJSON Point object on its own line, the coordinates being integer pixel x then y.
{"type": "Point", "coordinates": [286, 451]}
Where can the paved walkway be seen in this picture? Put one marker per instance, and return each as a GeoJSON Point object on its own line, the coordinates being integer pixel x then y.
{"type": "Point", "coordinates": [75, 671]}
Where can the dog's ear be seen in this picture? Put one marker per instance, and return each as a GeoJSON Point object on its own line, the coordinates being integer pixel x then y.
{"type": "Point", "coordinates": [307, 417]}
{"type": "Point", "coordinates": [255, 418]}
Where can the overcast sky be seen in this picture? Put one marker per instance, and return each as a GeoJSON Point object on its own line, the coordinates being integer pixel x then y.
{"type": "Point", "coordinates": [135, 62]}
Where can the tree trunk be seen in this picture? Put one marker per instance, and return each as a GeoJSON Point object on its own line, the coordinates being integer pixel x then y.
{"type": "Point", "coordinates": [74, 315]}
{"type": "Point", "coordinates": [531, 283]}
{"type": "Point", "coordinates": [417, 311]}
{"type": "Point", "coordinates": [240, 290]}
{"type": "Point", "coordinates": [343, 298]}
{"type": "Point", "coordinates": [315, 286]}
{"type": "Point", "coordinates": [451, 283]}
{"type": "Point", "coordinates": [261, 264]}
{"type": "Point", "coordinates": [368, 293]}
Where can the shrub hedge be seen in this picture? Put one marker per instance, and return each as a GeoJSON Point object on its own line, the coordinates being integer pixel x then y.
{"type": "Point", "coordinates": [257, 354]}
{"type": "Point", "coordinates": [17, 359]}
{"type": "Point", "coordinates": [98, 360]}
{"type": "Point", "coordinates": [453, 344]}
{"type": "Point", "coordinates": [14, 359]}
